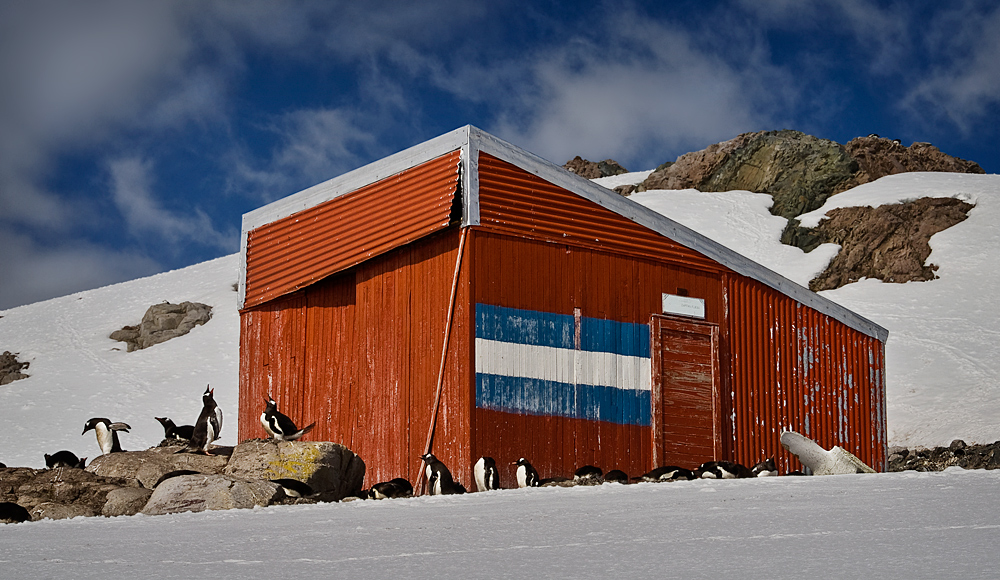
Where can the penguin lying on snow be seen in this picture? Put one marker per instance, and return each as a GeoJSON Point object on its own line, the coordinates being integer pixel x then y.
{"type": "Point", "coordinates": [616, 476]}
{"type": "Point", "coordinates": [439, 479]}
{"type": "Point", "coordinates": [12, 513]}
{"type": "Point", "coordinates": [107, 433]}
{"type": "Point", "coordinates": [588, 475]}
{"type": "Point", "coordinates": [172, 431]}
{"type": "Point", "coordinates": [723, 470]}
{"type": "Point", "coordinates": [526, 474]}
{"type": "Point", "coordinates": [487, 476]}
{"type": "Point", "coordinates": [208, 427]}
{"type": "Point", "coordinates": [278, 425]}
{"type": "Point", "coordinates": [64, 459]}
{"type": "Point", "coordinates": [666, 473]}
{"type": "Point", "coordinates": [766, 468]}
{"type": "Point", "coordinates": [394, 488]}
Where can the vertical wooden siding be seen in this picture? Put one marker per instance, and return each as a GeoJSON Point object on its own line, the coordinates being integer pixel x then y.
{"type": "Point", "coordinates": [296, 251]}
{"type": "Point", "coordinates": [794, 368]}
{"type": "Point", "coordinates": [359, 352]}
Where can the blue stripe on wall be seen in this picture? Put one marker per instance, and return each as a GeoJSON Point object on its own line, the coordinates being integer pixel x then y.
{"type": "Point", "coordinates": [557, 330]}
{"type": "Point", "coordinates": [551, 398]}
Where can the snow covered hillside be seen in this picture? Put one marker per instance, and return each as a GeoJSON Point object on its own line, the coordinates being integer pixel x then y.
{"type": "Point", "coordinates": [943, 353]}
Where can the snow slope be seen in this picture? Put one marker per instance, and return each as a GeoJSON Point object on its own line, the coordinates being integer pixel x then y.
{"type": "Point", "coordinates": [943, 354]}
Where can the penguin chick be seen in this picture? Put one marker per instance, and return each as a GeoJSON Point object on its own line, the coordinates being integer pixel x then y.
{"type": "Point", "coordinates": [64, 459]}
{"type": "Point", "coordinates": [173, 431]}
{"type": "Point", "coordinates": [208, 426]}
{"type": "Point", "coordinates": [394, 488]}
{"type": "Point", "coordinates": [278, 425]}
{"type": "Point", "coordinates": [439, 479]}
{"type": "Point", "coordinates": [766, 468]}
{"type": "Point", "coordinates": [487, 476]}
{"type": "Point", "coordinates": [107, 433]}
{"type": "Point", "coordinates": [526, 474]}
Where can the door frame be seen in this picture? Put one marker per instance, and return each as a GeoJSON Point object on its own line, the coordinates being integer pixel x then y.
{"type": "Point", "coordinates": [657, 323]}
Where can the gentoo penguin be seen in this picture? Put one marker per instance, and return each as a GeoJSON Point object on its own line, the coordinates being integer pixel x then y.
{"type": "Point", "coordinates": [666, 473]}
{"type": "Point", "coordinates": [766, 468]}
{"type": "Point", "coordinates": [3, 465]}
{"type": "Point", "coordinates": [294, 487]}
{"type": "Point", "coordinates": [208, 427]}
{"type": "Point", "coordinates": [722, 470]}
{"type": "Point", "coordinates": [64, 459]}
{"type": "Point", "coordinates": [616, 476]}
{"type": "Point", "coordinates": [394, 488]}
{"type": "Point", "coordinates": [278, 425]}
{"type": "Point", "coordinates": [588, 475]}
{"type": "Point", "coordinates": [526, 474]}
{"type": "Point", "coordinates": [12, 513]}
{"type": "Point", "coordinates": [487, 476]}
{"type": "Point", "coordinates": [107, 433]}
{"type": "Point", "coordinates": [439, 479]}
{"type": "Point", "coordinates": [172, 431]}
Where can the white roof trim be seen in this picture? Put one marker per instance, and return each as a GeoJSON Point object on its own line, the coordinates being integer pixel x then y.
{"type": "Point", "coordinates": [471, 141]}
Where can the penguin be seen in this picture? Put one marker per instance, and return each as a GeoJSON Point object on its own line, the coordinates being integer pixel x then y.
{"type": "Point", "coordinates": [588, 475]}
{"type": "Point", "coordinates": [766, 468]}
{"type": "Point", "coordinates": [616, 476]}
{"type": "Point", "coordinates": [666, 473]}
{"type": "Point", "coordinates": [3, 465]}
{"type": "Point", "coordinates": [294, 487]}
{"type": "Point", "coordinates": [526, 474]}
{"type": "Point", "coordinates": [64, 459]}
{"type": "Point", "coordinates": [172, 431]}
{"type": "Point", "coordinates": [107, 433]}
{"type": "Point", "coordinates": [12, 513]}
{"type": "Point", "coordinates": [278, 425]}
{"type": "Point", "coordinates": [439, 479]}
{"type": "Point", "coordinates": [394, 488]}
{"type": "Point", "coordinates": [722, 470]}
{"type": "Point", "coordinates": [208, 427]}
{"type": "Point", "coordinates": [487, 476]}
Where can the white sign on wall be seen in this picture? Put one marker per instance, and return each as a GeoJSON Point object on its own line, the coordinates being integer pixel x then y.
{"type": "Point", "coordinates": [683, 305]}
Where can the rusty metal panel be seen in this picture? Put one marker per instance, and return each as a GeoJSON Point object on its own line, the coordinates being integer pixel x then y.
{"type": "Point", "coordinates": [515, 202]}
{"type": "Point", "coordinates": [794, 368]}
{"type": "Point", "coordinates": [298, 250]}
{"type": "Point", "coordinates": [364, 360]}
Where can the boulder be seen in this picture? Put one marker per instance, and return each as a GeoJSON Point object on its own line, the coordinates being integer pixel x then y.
{"type": "Point", "coordinates": [330, 469]}
{"type": "Point", "coordinates": [878, 157]}
{"type": "Point", "coordinates": [195, 493]}
{"type": "Point", "coordinates": [67, 485]}
{"type": "Point", "coordinates": [60, 511]}
{"type": "Point", "coordinates": [126, 501]}
{"type": "Point", "coordinates": [163, 322]}
{"type": "Point", "coordinates": [10, 368]}
{"type": "Point", "coordinates": [592, 170]}
{"type": "Point", "coordinates": [149, 466]}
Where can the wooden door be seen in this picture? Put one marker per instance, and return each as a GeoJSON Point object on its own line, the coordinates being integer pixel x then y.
{"type": "Point", "coordinates": [686, 415]}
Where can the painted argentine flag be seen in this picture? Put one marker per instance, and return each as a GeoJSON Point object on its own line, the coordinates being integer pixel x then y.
{"type": "Point", "coordinates": [539, 363]}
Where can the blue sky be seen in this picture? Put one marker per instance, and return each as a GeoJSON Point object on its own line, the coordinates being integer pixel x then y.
{"type": "Point", "coordinates": [134, 135]}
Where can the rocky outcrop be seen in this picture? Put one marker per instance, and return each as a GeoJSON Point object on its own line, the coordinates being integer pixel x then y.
{"type": "Point", "coordinates": [958, 454]}
{"type": "Point", "coordinates": [125, 501]}
{"type": "Point", "coordinates": [888, 243]}
{"type": "Point", "coordinates": [878, 157]}
{"type": "Point", "coordinates": [63, 492]}
{"type": "Point", "coordinates": [196, 493]}
{"type": "Point", "coordinates": [10, 368]}
{"type": "Point", "coordinates": [330, 469]}
{"type": "Point", "coordinates": [592, 170]}
{"type": "Point", "coordinates": [163, 322]}
{"type": "Point", "coordinates": [147, 467]}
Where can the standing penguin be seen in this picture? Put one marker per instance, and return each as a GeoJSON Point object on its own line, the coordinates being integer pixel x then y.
{"type": "Point", "coordinates": [439, 479]}
{"type": "Point", "coordinates": [278, 425]}
{"type": "Point", "coordinates": [208, 427]}
{"type": "Point", "coordinates": [526, 474]}
{"type": "Point", "coordinates": [487, 476]}
{"type": "Point", "coordinates": [107, 433]}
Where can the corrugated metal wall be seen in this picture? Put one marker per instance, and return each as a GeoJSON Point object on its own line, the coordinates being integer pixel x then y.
{"type": "Point", "coordinates": [298, 250]}
{"type": "Point", "coordinates": [359, 353]}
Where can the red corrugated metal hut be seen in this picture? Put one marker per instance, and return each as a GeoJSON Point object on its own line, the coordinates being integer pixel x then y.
{"type": "Point", "coordinates": [581, 328]}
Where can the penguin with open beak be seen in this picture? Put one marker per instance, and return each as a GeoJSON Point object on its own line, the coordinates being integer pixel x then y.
{"type": "Point", "coordinates": [208, 427]}
{"type": "Point", "coordinates": [107, 433]}
{"type": "Point", "coordinates": [278, 425]}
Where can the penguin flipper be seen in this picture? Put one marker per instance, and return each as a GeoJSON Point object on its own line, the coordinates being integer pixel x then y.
{"type": "Point", "coordinates": [119, 426]}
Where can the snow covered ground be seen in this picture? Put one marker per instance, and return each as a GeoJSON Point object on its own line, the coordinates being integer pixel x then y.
{"type": "Point", "coordinates": [943, 363]}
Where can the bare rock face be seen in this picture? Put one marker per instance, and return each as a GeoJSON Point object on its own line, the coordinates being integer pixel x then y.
{"type": "Point", "coordinates": [59, 511]}
{"type": "Point", "coordinates": [147, 467]}
{"type": "Point", "coordinates": [878, 157]}
{"type": "Point", "coordinates": [125, 501]}
{"type": "Point", "coordinates": [889, 242]}
{"type": "Point", "coordinates": [196, 493]}
{"type": "Point", "coordinates": [10, 368]}
{"type": "Point", "coordinates": [330, 469]}
{"type": "Point", "coordinates": [63, 492]}
{"type": "Point", "coordinates": [694, 169]}
{"type": "Point", "coordinates": [163, 322]}
{"type": "Point", "coordinates": [592, 170]}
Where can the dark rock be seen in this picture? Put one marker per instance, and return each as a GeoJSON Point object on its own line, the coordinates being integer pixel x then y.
{"type": "Point", "coordinates": [592, 170]}
{"type": "Point", "coordinates": [626, 190]}
{"type": "Point", "coordinates": [330, 469]}
{"type": "Point", "coordinates": [878, 157]}
{"type": "Point", "coordinates": [163, 322]}
{"type": "Point", "coordinates": [10, 368]}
